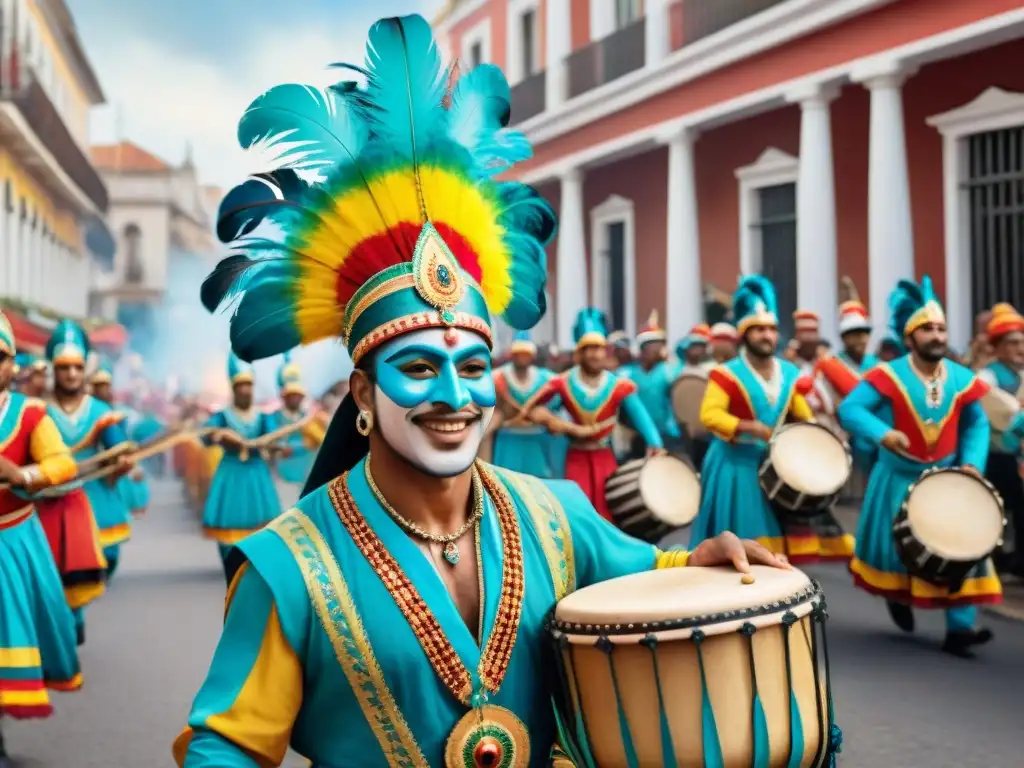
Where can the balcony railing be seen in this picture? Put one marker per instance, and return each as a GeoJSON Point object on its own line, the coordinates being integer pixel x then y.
{"type": "Point", "coordinates": [702, 18]}
{"type": "Point", "coordinates": [528, 97]}
{"type": "Point", "coordinates": [22, 90]}
{"type": "Point", "coordinates": [608, 59]}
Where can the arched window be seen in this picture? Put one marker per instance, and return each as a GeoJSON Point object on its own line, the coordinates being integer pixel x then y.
{"type": "Point", "coordinates": [133, 271]}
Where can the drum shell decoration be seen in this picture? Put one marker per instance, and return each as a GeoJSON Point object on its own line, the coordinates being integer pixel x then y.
{"type": "Point", "coordinates": [687, 394]}
{"type": "Point", "coordinates": [922, 561]}
{"type": "Point", "coordinates": [633, 514]}
{"type": "Point", "coordinates": [785, 498]}
{"type": "Point", "coordinates": [641, 694]}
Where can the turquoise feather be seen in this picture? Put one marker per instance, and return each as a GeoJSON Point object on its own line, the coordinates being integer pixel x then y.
{"type": "Point", "coordinates": [589, 320]}
{"type": "Point", "coordinates": [754, 294]}
{"type": "Point", "coordinates": [906, 299]}
{"type": "Point", "coordinates": [68, 332]}
{"type": "Point", "coordinates": [480, 109]}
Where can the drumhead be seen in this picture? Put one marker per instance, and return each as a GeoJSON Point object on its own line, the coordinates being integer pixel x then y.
{"type": "Point", "coordinates": [673, 594]}
{"type": "Point", "coordinates": [955, 515]}
{"type": "Point", "coordinates": [670, 489]}
{"type": "Point", "coordinates": [687, 394]}
{"type": "Point", "coordinates": [810, 459]}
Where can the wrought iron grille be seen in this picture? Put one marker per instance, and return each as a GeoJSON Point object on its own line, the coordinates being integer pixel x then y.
{"type": "Point", "coordinates": [777, 225]}
{"type": "Point", "coordinates": [995, 186]}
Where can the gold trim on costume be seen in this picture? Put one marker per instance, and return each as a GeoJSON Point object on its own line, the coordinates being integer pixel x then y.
{"type": "Point", "coordinates": [415, 322]}
{"type": "Point", "coordinates": [931, 312]}
{"type": "Point", "coordinates": [393, 285]}
{"type": "Point", "coordinates": [336, 610]}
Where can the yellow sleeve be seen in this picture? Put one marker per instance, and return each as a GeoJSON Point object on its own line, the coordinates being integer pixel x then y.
{"type": "Point", "coordinates": [48, 450]}
{"type": "Point", "coordinates": [246, 708]}
{"type": "Point", "coordinates": [800, 408]}
{"type": "Point", "coordinates": [314, 433]}
{"type": "Point", "coordinates": [673, 558]}
{"type": "Point", "coordinates": [714, 412]}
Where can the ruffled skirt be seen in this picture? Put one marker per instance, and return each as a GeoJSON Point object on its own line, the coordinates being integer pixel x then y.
{"type": "Point", "coordinates": [242, 499]}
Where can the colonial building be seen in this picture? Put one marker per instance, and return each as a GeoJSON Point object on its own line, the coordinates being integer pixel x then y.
{"type": "Point", "coordinates": [685, 142]}
{"type": "Point", "coordinates": [52, 200]}
{"type": "Point", "coordinates": [160, 217]}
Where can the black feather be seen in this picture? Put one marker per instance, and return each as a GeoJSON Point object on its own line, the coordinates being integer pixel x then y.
{"type": "Point", "coordinates": [259, 197]}
{"type": "Point", "coordinates": [218, 284]}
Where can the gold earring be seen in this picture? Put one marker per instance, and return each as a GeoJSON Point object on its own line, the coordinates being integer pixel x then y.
{"type": "Point", "coordinates": [364, 423]}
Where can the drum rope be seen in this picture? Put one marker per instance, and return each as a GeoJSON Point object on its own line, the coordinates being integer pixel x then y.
{"type": "Point", "coordinates": [835, 734]}
{"type": "Point", "coordinates": [756, 726]}
{"type": "Point", "coordinates": [706, 708]}
{"type": "Point", "coordinates": [822, 750]}
{"type": "Point", "coordinates": [668, 748]}
{"type": "Point", "coordinates": [574, 705]}
{"type": "Point", "coordinates": [788, 618]}
{"type": "Point", "coordinates": [606, 647]}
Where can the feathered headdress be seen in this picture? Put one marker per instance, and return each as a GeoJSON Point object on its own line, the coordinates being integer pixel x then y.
{"type": "Point", "coordinates": [911, 306]}
{"type": "Point", "coordinates": [239, 371]}
{"type": "Point", "coordinates": [289, 377]}
{"type": "Point", "coordinates": [591, 328]}
{"type": "Point", "coordinates": [754, 303]}
{"type": "Point", "coordinates": [652, 331]}
{"type": "Point", "coordinates": [699, 334]}
{"type": "Point", "coordinates": [409, 227]}
{"type": "Point", "coordinates": [7, 343]}
{"type": "Point", "coordinates": [522, 344]}
{"type": "Point", "coordinates": [68, 344]}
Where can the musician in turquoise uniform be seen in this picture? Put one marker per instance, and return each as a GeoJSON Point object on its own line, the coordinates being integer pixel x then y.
{"type": "Point", "coordinates": [593, 397]}
{"type": "Point", "coordinates": [304, 441]}
{"type": "Point", "coordinates": [396, 615]}
{"type": "Point", "coordinates": [133, 489]}
{"type": "Point", "coordinates": [522, 445]}
{"type": "Point", "coordinates": [923, 411]}
{"type": "Point", "coordinates": [653, 373]}
{"type": "Point", "coordinates": [747, 398]}
{"type": "Point", "coordinates": [37, 630]}
{"type": "Point", "coordinates": [242, 473]}
{"type": "Point", "coordinates": [89, 426]}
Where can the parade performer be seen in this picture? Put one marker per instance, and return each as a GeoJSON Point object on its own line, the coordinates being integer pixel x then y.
{"type": "Point", "coordinates": [519, 444]}
{"type": "Point", "coordinates": [593, 397]}
{"type": "Point", "coordinates": [1006, 335]}
{"type": "Point", "coordinates": [806, 345]}
{"type": "Point", "coordinates": [89, 426]}
{"type": "Point", "coordinates": [923, 411]}
{"type": "Point", "coordinates": [746, 400]}
{"type": "Point", "coordinates": [304, 442]}
{"type": "Point", "coordinates": [619, 352]}
{"type": "Point", "coordinates": [724, 344]}
{"type": "Point", "coordinates": [653, 374]}
{"type": "Point", "coordinates": [384, 622]}
{"type": "Point", "coordinates": [836, 375]}
{"type": "Point", "coordinates": [132, 488]}
{"type": "Point", "coordinates": [241, 473]}
{"type": "Point", "coordinates": [32, 372]}
{"type": "Point", "coordinates": [37, 630]}
{"type": "Point", "coordinates": [692, 350]}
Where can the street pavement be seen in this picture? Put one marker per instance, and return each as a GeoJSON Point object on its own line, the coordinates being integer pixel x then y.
{"type": "Point", "coordinates": [901, 703]}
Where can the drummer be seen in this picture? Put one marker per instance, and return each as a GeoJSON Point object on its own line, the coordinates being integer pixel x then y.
{"type": "Point", "coordinates": [923, 411]}
{"type": "Point", "coordinates": [653, 374]}
{"type": "Point", "coordinates": [619, 353]}
{"type": "Point", "coordinates": [593, 396]}
{"type": "Point", "coordinates": [1006, 335]}
{"type": "Point", "coordinates": [745, 400]}
{"type": "Point", "coordinates": [724, 344]}
{"type": "Point", "coordinates": [692, 352]}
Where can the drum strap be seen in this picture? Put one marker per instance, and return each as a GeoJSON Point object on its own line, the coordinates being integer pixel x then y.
{"type": "Point", "coordinates": [552, 527]}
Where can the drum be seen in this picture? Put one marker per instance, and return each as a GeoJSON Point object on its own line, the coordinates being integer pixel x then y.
{"type": "Point", "coordinates": [651, 497]}
{"type": "Point", "coordinates": [687, 395]}
{"type": "Point", "coordinates": [805, 469]}
{"type": "Point", "coordinates": [691, 667]}
{"type": "Point", "coordinates": [949, 522]}
{"type": "Point", "coordinates": [1000, 407]}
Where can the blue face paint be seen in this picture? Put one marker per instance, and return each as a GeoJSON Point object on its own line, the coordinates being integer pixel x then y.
{"type": "Point", "coordinates": [436, 373]}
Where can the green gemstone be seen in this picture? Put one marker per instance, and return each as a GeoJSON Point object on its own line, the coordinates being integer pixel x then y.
{"type": "Point", "coordinates": [448, 317]}
{"type": "Point", "coordinates": [443, 275]}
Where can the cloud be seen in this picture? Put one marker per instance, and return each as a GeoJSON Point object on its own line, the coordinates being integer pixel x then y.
{"type": "Point", "coordinates": [164, 100]}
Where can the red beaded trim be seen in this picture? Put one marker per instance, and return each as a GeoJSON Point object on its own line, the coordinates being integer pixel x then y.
{"type": "Point", "coordinates": [442, 656]}
{"type": "Point", "coordinates": [415, 322]}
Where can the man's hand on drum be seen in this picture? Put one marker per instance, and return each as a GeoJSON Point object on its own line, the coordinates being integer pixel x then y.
{"type": "Point", "coordinates": [727, 548]}
{"type": "Point", "coordinates": [896, 441]}
{"type": "Point", "coordinates": [756, 429]}
{"type": "Point", "coordinates": [972, 470]}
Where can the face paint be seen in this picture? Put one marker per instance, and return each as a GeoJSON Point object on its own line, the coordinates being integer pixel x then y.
{"type": "Point", "coordinates": [434, 399]}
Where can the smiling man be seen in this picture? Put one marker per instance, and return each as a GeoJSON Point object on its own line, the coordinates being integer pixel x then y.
{"type": "Point", "coordinates": [395, 617]}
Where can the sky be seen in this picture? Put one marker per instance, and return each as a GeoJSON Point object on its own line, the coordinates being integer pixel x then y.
{"type": "Point", "coordinates": [183, 72]}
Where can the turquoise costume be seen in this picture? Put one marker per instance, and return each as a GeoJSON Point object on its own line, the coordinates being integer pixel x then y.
{"type": "Point", "coordinates": [732, 499]}
{"type": "Point", "coordinates": [241, 474]}
{"type": "Point", "coordinates": [654, 384]}
{"type": "Point", "coordinates": [37, 630]}
{"type": "Point", "coordinates": [133, 492]}
{"type": "Point", "coordinates": [91, 428]}
{"type": "Point", "coordinates": [946, 426]}
{"type": "Point", "coordinates": [526, 448]}
{"type": "Point", "coordinates": [295, 468]}
{"type": "Point", "coordinates": [340, 636]}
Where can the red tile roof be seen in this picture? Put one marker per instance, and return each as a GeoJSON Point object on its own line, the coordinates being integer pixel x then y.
{"type": "Point", "coordinates": [126, 156]}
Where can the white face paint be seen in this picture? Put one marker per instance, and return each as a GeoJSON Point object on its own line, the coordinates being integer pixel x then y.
{"type": "Point", "coordinates": [434, 400]}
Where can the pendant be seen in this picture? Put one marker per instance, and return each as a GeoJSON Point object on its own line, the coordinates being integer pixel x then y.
{"type": "Point", "coordinates": [488, 737]}
{"type": "Point", "coordinates": [451, 553]}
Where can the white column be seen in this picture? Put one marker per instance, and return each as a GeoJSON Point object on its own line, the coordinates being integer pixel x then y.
{"type": "Point", "coordinates": [657, 32]}
{"type": "Point", "coordinates": [816, 255]}
{"type": "Point", "coordinates": [890, 223]}
{"type": "Point", "coordinates": [558, 46]}
{"type": "Point", "coordinates": [14, 245]}
{"type": "Point", "coordinates": [6, 256]}
{"type": "Point", "coordinates": [571, 258]}
{"type": "Point", "coordinates": [685, 294]}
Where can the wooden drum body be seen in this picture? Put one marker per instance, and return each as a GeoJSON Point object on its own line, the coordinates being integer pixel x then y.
{"type": "Point", "coordinates": [648, 498]}
{"type": "Point", "coordinates": [689, 667]}
{"type": "Point", "coordinates": [806, 468]}
{"type": "Point", "coordinates": [687, 395]}
{"type": "Point", "coordinates": [949, 522]}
